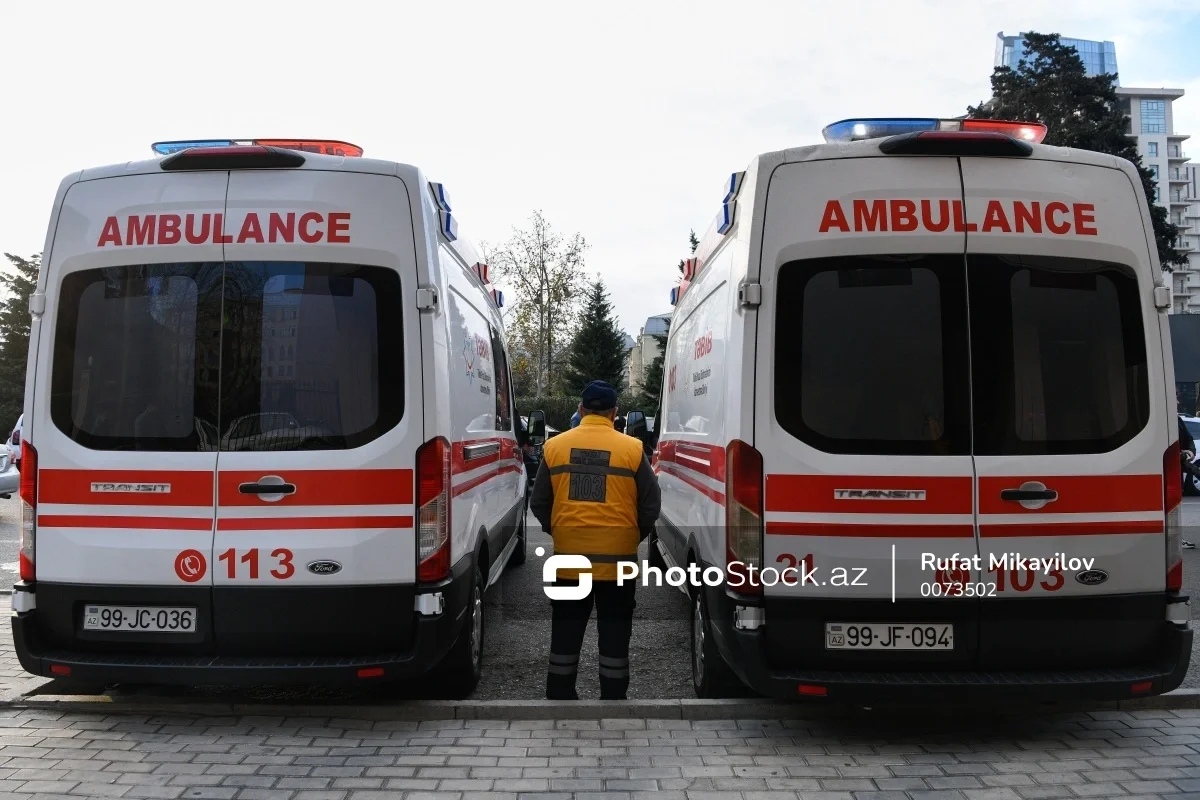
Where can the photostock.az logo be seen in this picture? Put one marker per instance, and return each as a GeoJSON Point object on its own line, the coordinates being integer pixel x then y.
{"type": "Point", "coordinates": [550, 575]}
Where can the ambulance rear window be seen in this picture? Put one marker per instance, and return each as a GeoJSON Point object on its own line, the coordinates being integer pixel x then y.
{"type": "Point", "coordinates": [235, 356]}
{"type": "Point", "coordinates": [136, 356]}
{"type": "Point", "coordinates": [312, 357]}
{"type": "Point", "coordinates": [1059, 355]}
{"type": "Point", "coordinates": [871, 354]}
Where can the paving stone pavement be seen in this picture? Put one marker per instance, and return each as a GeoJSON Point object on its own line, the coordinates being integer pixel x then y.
{"type": "Point", "coordinates": [1141, 754]}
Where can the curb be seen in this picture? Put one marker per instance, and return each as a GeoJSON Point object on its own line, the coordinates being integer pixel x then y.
{"type": "Point", "coordinates": [430, 710]}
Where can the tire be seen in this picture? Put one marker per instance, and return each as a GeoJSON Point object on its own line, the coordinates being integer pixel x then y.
{"type": "Point", "coordinates": [463, 665]}
{"type": "Point", "coordinates": [711, 676]}
{"type": "Point", "coordinates": [655, 555]}
{"type": "Point", "coordinates": [518, 554]}
{"type": "Point", "coordinates": [1191, 483]}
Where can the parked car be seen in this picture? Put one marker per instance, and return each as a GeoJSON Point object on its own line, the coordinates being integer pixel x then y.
{"type": "Point", "coordinates": [10, 478]}
{"type": "Point", "coordinates": [923, 260]}
{"type": "Point", "coordinates": [14, 443]}
{"type": "Point", "coordinates": [358, 454]}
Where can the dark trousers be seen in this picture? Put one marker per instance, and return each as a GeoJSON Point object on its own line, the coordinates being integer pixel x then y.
{"type": "Point", "coordinates": [614, 625]}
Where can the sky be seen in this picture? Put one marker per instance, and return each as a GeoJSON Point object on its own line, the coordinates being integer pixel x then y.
{"type": "Point", "coordinates": [619, 121]}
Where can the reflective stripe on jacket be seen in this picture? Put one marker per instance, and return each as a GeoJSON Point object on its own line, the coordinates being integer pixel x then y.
{"type": "Point", "coordinates": [596, 495]}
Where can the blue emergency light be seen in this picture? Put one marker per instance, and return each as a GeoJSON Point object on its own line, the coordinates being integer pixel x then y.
{"type": "Point", "coordinates": [322, 146]}
{"type": "Point", "coordinates": [862, 128]}
{"type": "Point", "coordinates": [167, 148]}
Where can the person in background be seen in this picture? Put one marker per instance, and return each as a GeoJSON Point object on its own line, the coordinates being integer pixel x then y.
{"type": "Point", "coordinates": [1187, 452]}
{"type": "Point", "coordinates": [575, 420]}
{"type": "Point", "coordinates": [596, 496]}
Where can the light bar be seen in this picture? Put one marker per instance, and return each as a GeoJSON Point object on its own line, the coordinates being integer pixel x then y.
{"type": "Point", "coordinates": [856, 130]}
{"type": "Point", "coordinates": [447, 222]}
{"type": "Point", "coordinates": [328, 147]}
{"type": "Point", "coordinates": [167, 148]}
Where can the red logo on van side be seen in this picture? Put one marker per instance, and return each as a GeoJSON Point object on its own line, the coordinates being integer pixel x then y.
{"type": "Point", "coordinates": [703, 345]}
{"type": "Point", "coordinates": [938, 216]}
{"type": "Point", "coordinates": [311, 227]}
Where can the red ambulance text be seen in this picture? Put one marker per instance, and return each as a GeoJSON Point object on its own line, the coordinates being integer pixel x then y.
{"type": "Point", "coordinates": [938, 216]}
{"type": "Point", "coordinates": [310, 227]}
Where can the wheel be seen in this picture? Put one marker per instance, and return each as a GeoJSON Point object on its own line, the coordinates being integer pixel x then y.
{"type": "Point", "coordinates": [463, 665]}
{"type": "Point", "coordinates": [711, 676]}
{"type": "Point", "coordinates": [1191, 483]}
{"type": "Point", "coordinates": [518, 554]}
{"type": "Point", "coordinates": [656, 557]}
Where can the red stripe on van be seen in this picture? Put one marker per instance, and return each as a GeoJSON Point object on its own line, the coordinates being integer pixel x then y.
{"type": "Point", "coordinates": [704, 459]}
{"type": "Point", "coordinates": [460, 462]}
{"type": "Point", "coordinates": [310, 523]}
{"type": "Point", "coordinates": [314, 487]}
{"type": "Point", "coordinates": [872, 531]}
{"type": "Point", "coordinates": [74, 486]}
{"type": "Point", "coordinates": [479, 480]}
{"type": "Point", "coordinates": [683, 475]}
{"type": "Point", "coordinates": [141, 523]}
{"type": "Point", "coordinates": [815, 494]}
{"type": "Point", "coordinates": [1077, 494]}
{"type": "Point", "coordinates": [1022, 529]}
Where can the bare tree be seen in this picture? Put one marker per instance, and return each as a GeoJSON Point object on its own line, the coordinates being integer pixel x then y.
{"type": "Point", "coordinates": [545, 272]}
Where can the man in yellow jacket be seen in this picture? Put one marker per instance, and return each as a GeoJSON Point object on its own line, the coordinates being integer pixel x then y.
{"type": "Point", "coordinates": [596, 496]}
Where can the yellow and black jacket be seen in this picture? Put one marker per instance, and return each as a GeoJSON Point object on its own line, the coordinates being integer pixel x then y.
{"type": "Point", "coordinates": [596, 495]}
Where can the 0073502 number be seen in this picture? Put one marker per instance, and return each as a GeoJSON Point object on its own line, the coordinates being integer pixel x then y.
{"type": "Point", "coordinates": [282, 570]}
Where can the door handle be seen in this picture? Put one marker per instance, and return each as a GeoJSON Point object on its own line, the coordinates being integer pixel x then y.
{"type": "Point", "coordinates": [267, 488]}
{"type": "Point", "coordinates": [1019, 495]}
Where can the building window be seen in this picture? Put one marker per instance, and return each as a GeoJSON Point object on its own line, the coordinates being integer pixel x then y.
{"type": "Point", "coordinates": [1173, 151]}
{"type": "Point", "coordinates": [1154, 116]}
{"type": "Point", "coordinates": [1152, 149]}
{"type": "Point", "coordinates": [1154, 170]}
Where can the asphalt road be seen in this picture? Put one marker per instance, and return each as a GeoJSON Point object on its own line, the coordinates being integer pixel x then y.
{"type": "Point", "coordinates": [517, 636]}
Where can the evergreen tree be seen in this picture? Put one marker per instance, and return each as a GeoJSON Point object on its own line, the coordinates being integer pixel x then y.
{"type": "Point", "coordinates": [17, 284]}
{"type": "Point", "coordinates": [693, 242]}
{"type": "Point", "coordinates": [598, 351]}
{"type": "Point", "coordinates": [1051, 86]}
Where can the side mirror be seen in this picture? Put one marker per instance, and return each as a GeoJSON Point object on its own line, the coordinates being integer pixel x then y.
{"type": "Point", "coordinates": [635, 424]}
{"type": "Point", "coordinates": [537, 428]}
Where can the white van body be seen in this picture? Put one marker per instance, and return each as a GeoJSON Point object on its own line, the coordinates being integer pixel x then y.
{"type": "Point", "coordinates": [212, 325]}
{"type": "Point", "coordinates": [873, 348]}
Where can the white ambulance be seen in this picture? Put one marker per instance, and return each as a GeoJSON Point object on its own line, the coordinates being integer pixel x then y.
{"type": "Point", "coordinates": [270, 432]}
{"type": "Point", "coordinates": [918, 410]}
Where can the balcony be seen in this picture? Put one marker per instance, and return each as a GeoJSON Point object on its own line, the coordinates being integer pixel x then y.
{"type": "Point", "coordinates": [1175, 154]}
{"type": "Point", "coordinates": [1177, 176]}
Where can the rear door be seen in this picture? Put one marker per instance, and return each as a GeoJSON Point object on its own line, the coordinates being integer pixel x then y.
{"type": "Point", "coordinates": [125, 397]}
{"type": "Point", "coordinates": [320, 398]}
{"type": "Point", "coordinates": [862, 411]}
{"type": "Point", "coordinates": [1068, 383]}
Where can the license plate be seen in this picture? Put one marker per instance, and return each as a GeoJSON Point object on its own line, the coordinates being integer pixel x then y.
{"type": "Point", "coordinates": [884, 636]}
{"type": "Point", "coordinates": [147, 619]}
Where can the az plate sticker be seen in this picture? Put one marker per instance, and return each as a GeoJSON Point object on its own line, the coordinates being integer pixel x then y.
{"type": "Point", "coordinates": [131, 488]}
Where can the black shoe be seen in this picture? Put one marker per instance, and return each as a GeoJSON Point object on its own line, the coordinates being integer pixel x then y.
{"type": "Point", "coordinates": [1189, 545]}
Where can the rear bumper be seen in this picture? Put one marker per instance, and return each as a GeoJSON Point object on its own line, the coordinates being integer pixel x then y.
{"type": "Point", "coordinates": [1159, 670]}
{"type": "Point", "coordinates": [431, 637]}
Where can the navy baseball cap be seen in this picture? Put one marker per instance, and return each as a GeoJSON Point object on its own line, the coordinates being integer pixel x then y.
{"type": "Point", "coordinates": [599, 396]}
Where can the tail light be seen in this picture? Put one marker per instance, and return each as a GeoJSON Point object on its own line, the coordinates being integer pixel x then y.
{"type": "Point", "coordinates": [743, 516]}
{"type": "Point", "coordinates": [1173, 506]}
{"type": "Point", "coordinates": [29, 477]}
{"type": "Point", "coordinates": [433, 501]}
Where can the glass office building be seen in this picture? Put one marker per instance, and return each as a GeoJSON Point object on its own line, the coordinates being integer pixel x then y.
{"type": "Point", "coordinates": [1099, 58]}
